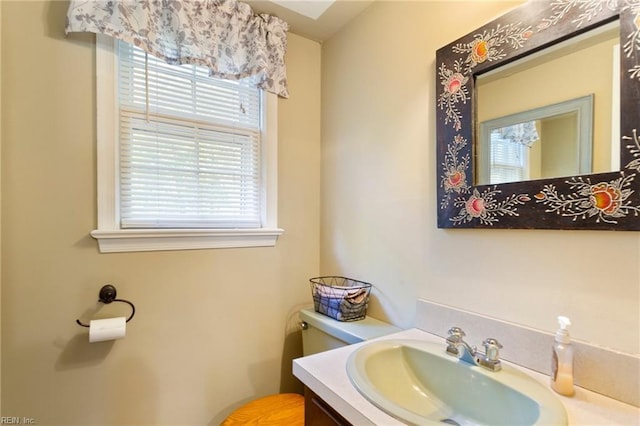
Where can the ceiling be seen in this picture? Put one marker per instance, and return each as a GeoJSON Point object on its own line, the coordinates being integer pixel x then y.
{"type": "Point", "coordinates": [301, 15]}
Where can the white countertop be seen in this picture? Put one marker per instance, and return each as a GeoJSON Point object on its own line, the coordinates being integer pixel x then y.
{"type": "Point", "coordinates": [325, 374]}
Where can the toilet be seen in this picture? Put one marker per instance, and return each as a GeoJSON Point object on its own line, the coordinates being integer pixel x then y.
{"type": "Point", "coordinates": [319, 333]}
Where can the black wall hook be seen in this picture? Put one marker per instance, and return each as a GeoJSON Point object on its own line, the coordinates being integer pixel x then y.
{"type": "Point", "coordinates": [107, 295]}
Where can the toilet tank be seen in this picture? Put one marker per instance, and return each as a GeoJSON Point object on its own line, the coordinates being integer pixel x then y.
{"type": "Point", "coordinates": [321, 333]}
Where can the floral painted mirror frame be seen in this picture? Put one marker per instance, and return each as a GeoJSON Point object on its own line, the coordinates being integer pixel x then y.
{"type": "Point", "coordinates": [603, 201]}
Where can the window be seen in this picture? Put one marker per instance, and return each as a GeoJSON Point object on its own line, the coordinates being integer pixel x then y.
{"type": "Point", "coordinates": [509, 160]}
{"type": "Point", "coordinates": [184, 160]}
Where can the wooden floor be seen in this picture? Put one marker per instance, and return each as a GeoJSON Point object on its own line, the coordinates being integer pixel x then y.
{"type": "Point", "coordinates": [281, 409]}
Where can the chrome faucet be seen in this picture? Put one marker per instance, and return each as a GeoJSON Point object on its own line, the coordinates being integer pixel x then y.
{"type": "Point", "coordinates": [456, 346]}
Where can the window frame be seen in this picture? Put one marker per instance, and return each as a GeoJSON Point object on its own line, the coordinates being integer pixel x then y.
{"type": "Point", "coordinates": [111, 237]}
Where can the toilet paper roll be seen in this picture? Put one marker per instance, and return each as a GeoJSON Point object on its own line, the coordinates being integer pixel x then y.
{"type": "Point", "coordinates": [107, 329]}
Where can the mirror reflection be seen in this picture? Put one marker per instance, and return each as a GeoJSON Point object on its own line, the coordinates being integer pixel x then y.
{"type": "Point", "coordinates": [520, 92]}
{"type": "Point", "coordinates": [547, 142]}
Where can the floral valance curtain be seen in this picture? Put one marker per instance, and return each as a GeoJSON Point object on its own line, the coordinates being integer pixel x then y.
{"type": "Point", "coordinates": [522, 133]}
{"type": "Point", "coordinates": [223, 35]}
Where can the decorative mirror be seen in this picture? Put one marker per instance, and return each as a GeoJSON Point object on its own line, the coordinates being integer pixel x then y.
{"type": "Point", "coordinates": [604, 200]}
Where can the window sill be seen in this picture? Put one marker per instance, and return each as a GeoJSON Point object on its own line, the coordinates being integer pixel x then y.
{"type": "Point", "coordinates": [132, 240]}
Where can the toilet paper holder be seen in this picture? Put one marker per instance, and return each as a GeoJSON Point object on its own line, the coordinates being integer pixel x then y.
{"type": "Point", "coordinates": [107, 295]}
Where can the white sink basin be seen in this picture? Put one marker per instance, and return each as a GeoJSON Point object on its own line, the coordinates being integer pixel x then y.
{"type": "Point", "coordinates": [418, 383]}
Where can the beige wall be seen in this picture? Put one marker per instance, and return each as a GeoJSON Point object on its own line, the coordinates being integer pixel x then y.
{"type": "Point", "coordinates": [379, 195]}
{"type": "Point", "coordinates": [212, 327]}
{"type": "Point", "coordinates": [559, 155]}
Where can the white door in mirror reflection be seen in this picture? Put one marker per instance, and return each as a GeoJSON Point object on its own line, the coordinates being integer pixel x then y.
{"type": "Point", "coordinates": [548, 142]}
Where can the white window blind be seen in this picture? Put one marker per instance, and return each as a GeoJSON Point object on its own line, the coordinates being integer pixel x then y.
{"type": "Point", "coordinates": [190, 146]}
{"type": "Point", "coordinates": [509, 160]}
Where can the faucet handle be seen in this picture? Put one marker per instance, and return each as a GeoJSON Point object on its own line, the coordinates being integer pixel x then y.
{"type": "Point", "coordinates": [491, 349]}
{"type": "Point", "coordinates": [456, 332]}
{"type": "Point", "coordinates": [455, 337]}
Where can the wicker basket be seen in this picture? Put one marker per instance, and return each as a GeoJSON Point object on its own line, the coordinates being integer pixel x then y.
{"type": "Point", "coordinates": [340, 298]}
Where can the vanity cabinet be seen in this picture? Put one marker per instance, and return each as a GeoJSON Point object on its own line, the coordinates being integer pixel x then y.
{"type": "Point", "coordinates": [318, 413]}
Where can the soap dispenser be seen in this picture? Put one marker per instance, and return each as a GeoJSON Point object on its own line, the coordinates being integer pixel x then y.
{"type": "Point", "coordinates": [562, 360]}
